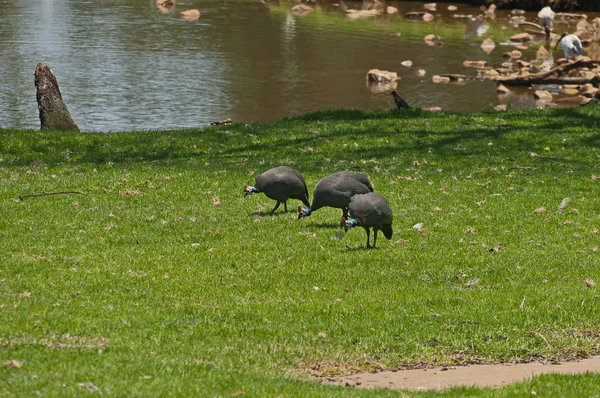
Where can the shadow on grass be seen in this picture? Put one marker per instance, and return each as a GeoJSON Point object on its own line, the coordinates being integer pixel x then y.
{"type": "Point", "coordinates": [383, 134]}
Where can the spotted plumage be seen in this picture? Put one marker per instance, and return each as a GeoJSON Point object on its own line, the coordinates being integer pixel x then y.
{"type": "Point", "coordinates": [371, 210]}
{"type": "Point", "coordinates": [280, 184]}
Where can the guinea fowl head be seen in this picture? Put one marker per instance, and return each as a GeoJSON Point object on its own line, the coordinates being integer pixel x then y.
{"type": "Point", "coordinates": [248, 190]}
{"type": "Point", "coordinates": [302, 212]}
{"type": "Point", "coordinates": [351, 223]}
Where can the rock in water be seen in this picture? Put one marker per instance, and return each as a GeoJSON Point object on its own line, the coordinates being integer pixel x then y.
{"type": "Point", "coordinates": [54, 114]}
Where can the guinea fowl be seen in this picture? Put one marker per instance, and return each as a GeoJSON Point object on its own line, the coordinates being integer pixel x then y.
{"type": "Point", "coordinates": [335, 191]}
{"type": "Point", "coordinates": [370, 210]}
{"type": "Point", "coordinates": [280, 184]}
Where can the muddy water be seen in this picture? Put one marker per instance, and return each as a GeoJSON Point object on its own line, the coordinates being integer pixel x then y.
{"type": "Point", "coordinates": [128, 65]}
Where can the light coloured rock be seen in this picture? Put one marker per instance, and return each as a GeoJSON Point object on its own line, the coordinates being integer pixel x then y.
{"type": "Point", "coordinates": [421, 72]}
{"type": "Point", "coordinates": [501, 89]}
{"type": "Point", "coordinates": [501, 107]}
{"type": "Point", "coordinates": [475, 64]}
{"type": "Point", "coordinates": [430, 6]}
{"type": "Point", "coordinates": [488, 45]}
{"type": "Point", "coordinates": [542, 53]}
{"type": "Point", "coordinates": [490, 73]}
{"type": "Point", "coordinates": [570, 91]}
{"type": "Point", "coordinates": [542, 95]}
{"type": "Point", "coordinates": [427, 17]}
{"type": "Point", "coordinates": [301, 9]}
{"type": "Point", "coordinates": [407, 63]}
{"type": "Point", "coordinates": [522, 64]}
{"type": "Point", "coordinates": [190, 15]}
{"type": "Point", "coordinates": [431, 39]}
{"type": "Point", "coordinates": [452, 8]}
{"type": "Point", "coordinates": [516, 54]}
{"type": "Point", "coordinates": [358, 14]}
{"type": "Point", "coordinates": [440, 79]}
{"type": "Point", "coordinates": [381, 76]}
{"type": "Point", "coordinates": [521, 38]}
{"type": "Point", "coordinates": [391, 10]}
{"type": "Point", "coordinates": [433, 109]}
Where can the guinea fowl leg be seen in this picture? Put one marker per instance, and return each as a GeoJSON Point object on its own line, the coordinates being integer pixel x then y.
{"type": "Point", "coordinates": [285, 206]}
{"type": "Point", "coordinates": [275, 208]}
{"type": "Point", "coordinates": [368, 237]}
{"type": "Point", "coordinates": [374, 238]}
{"type": "Point", "coordinates": [344, 217]}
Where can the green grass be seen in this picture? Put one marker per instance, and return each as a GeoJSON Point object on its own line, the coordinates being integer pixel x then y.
{"type": "Point", "coordinates": [163, 280]}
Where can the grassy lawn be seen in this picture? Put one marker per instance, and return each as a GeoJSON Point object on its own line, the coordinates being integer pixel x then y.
{"type": "Point", "coordinates": [161, 279]}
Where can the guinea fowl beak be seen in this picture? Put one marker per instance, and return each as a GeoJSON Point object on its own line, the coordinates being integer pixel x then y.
{"type": "Point", "coordinates": [300, 211]}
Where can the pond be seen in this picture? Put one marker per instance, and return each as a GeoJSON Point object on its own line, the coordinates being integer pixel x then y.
{"type": "Point", "coordinates": [132, 65]}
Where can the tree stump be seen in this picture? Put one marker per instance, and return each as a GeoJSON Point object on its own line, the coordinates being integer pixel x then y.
{"type": "Point", "coordinates": [54, 114]}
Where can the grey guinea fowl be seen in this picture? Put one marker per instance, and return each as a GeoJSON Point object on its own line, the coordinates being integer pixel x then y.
{"type": "Point", "coordinates": [335, 191]}
{"type": "Point", "coordinates": [280, 184]}
{"type": "Point", "coordinates": [371, 210]}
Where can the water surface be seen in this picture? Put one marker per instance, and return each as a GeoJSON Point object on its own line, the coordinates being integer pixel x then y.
{"type": "Point", "coordinates": [126, 65]}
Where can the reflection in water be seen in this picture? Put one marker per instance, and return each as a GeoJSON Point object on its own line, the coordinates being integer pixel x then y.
{"type": "Point", "coordinates": [135, 64]}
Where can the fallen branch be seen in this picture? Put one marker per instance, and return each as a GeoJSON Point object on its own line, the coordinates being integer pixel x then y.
{"type": "Point", "coordinates": [33, 195]}
{"type": "Point", "coordinates": [555, 75]}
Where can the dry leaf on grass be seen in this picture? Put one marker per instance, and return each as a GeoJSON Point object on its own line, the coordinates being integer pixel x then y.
{"type": "Point", "coordinates": [216, 201]}
{"type": "Point", "coordinates": [540, 210]}
{"type": "Point", "coordinates": [12, 363]}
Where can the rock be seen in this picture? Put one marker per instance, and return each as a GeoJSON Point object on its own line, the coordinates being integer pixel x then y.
{"type": "Point", "coordinates": [488, 45]}
{"type": "Point", "coordinates": [590, 92]}
{"type": "Point", "coordinates": [440, 79]}
{"type": "Point", "coordinates": [53, 112]}
{"type": "Point", "coordinates": [430, 6]}
{"type": "Point", "coordinates": [507, 56]}
{"type": "Point", "coordinates": [452, 8]}
{"type": "Point", "coordinates": [522, 47]}
{"type": "Point", "coordinates": [542, 53]}
{"type": "Point", "coordinates": [542, 95]}
{"type": "Point", "coordinates": [517, 11]}
{"type": "Point", "coordinates": [521, 38]}
{"type": "Point", "coordinates": [381, 76]}
{"type": "Point", "coordinates": [490, 73]}
{"type": "Point", "coordinates": [516, 54]}
{"type": "Point", "coordinates": [356, 14]}
{"type": "Point", "coordinates": [431, 39]}
{"type": "Point", "coordinates": [190, 15]}
{"type": "Point", "coordinates": [517, 19]}
{"type": "Point", "coordinates": [522, 64]}
{"type": "Point", "coordinates": [301, 9]}
{"type": "Point", "coordinates": [570, 91]}
{"type": "Point", "coordinates": [501, 107]}
{"type": "Point", "coordinates": [504, 71]}
{"type": "Point", "coordinates": [475, 64]}
{"type": "Point", "coordinates": [408, 63]}
{"type": "Point", "coordinates": [383, 87]}
{"type": "Point", "coordinates": [391, 10]}
{"type": "Point", "coordinates": [490, 12]}
{"type": "Point", "coordinates": [433, 109]}
{"type": "Point", "coordinates": [425, 16]}
{"type": "Point", "coordinates": [421, 72]}
{"type": "Point", "coordinates": [501, 89]}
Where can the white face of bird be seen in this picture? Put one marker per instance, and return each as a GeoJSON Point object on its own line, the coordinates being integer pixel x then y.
{"type": "Point", "coordinates": [248, 190]}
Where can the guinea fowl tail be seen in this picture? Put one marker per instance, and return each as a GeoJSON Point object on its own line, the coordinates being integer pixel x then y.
{"type": "Point", "coordinates": [387, 231]}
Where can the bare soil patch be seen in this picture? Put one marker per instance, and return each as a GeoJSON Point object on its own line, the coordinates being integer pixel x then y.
{"type": "Point", "coordinates": [460, 376]}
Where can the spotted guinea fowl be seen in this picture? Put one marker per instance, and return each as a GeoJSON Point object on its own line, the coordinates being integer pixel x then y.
{"type": "Point", "coordinates": [280, 184]}
{"type": "Point", "coordinates": [335, 191]}
{"type": "Point", "coordinates": [370, 210]}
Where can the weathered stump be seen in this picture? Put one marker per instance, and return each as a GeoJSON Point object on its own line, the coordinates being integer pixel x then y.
{"type": "Point", "coordinates": [54, 114]}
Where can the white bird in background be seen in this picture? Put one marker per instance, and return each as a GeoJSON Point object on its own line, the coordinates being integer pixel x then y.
{"type": "Point", "coordinates": [570, 45]}
{"type": "Point", "coordinates": [546, 18]}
